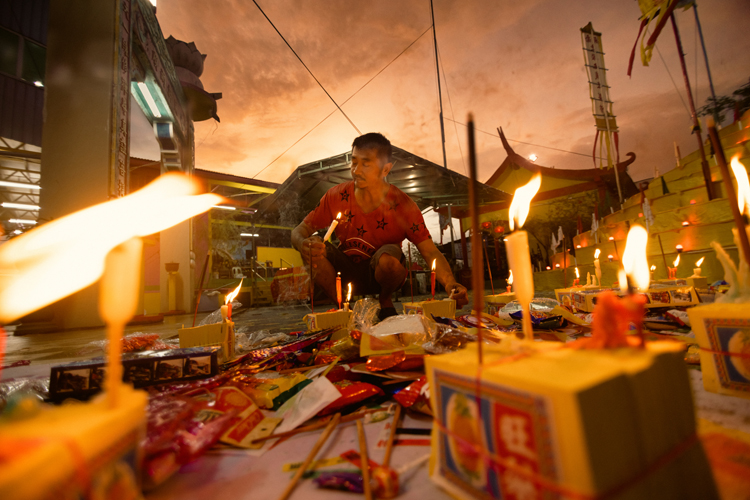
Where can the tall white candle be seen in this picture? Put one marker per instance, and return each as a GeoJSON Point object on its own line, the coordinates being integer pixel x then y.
{"type": "Point", "coordinates": [597, 267]}
{"type": "Point", "coordinates": [333, 226]}
{"type": "Point", "coordinates": [517, 247]}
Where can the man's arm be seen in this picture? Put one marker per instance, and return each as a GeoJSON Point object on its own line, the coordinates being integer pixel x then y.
{"type": "Point", "coordinates": [443, 271]}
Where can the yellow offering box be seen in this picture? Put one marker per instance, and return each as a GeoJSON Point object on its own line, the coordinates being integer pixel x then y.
{"type": "Point", "coordinates": [75, 451]}
{"type": "Point", "coordinates": [566, 423]}
{"type": "Point", "coordinates": [321, 321]}
{"type": "Point", "coordinates": [584, 299]}
{"type": "Point", "coordinates": [698, 282]}
{"type": "Point", "coordinates": [445, 308]}
{"type": "Point", "coordinates": [216, 334]}
{"type": "Point", "coordinates": [493, 303]}
{"type": "Point", "coordinates": [723, 335]}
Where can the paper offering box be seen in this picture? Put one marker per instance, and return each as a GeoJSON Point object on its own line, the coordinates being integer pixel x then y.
{"type": "Point", "coordinates": [215, 334]}
{"type": "Point", "coordinates": [565, 423]}
{"type": "Point", "coordinates": [82, 379]}
{"type": "Point", "coordinates": [445, 308]}
{"type": "Point", "coordinates": [493, 303]}
{"type": "Point", "coordinates": [321, 321]}
{"type": "Point", "coordinates": [668, 296]}
{"type": "Point", "coordinates": [723, 334]}
{"type": "Point", "coordinates": [75, 451]}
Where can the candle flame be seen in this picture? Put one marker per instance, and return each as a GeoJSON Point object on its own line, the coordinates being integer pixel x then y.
{"type": "Point", "coordinates": [700, 261]}
{"type": "Point", "coordinates": [634, 258]}
{"type": "Point", "coordinates": [596, 253]}
{"type": "Point", "coordinates": [578, 275]}
{"type": "Point", "coordinates": [676, 261]}
{"type": "Point", "coordinates": [743, 185]}
{"type": "Point", "coordinates": [519, 207]}
{"type": "Point", "coordinates": [73, 249]}
{"type": "Point", "coordinates": [653, 268]}
{"type": "Point", "coordinates": [338, 216]}
{"type": "Point", "coordinates": [230, 297]}
{"type": "Point", "coordinates": [349, 292]}
{"type": "Point", "coordinates": [510, 277]}
{"type": "Point", "coordinates": [433, 264]}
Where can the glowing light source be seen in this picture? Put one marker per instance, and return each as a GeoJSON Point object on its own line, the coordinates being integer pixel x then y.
{"type": "Point", "coordinates": [676, 261]}
{"type": "Point", "coordinates": [597, 253]}
{"type": "Point", "coordinates": [678, 248]}
{"type": "Point", "coordinates": [519, 207]}
{"type": "Point", "coordinates": [700, 261]}
{"type": "Point", "coordinates": [21, 206]}
{"type": "Point", "coordinates": [231, 296]}
{"type": "Point", "coordinates": [38, 83]}
{"type": "Point", "coordinates": [224, 207]}
{"type": "Point", "coordinates": [578, 246]}
{"type": "Point", "coordinates": [149, 100]}
{"type": "Point", "coordinates": [743, 185]}
{"type": "Point", "coordinates": [73, 249]}
{"type": "Point", "coordinates": [611, 238]}
{"type": "Point", "coordinates": [548, 268]}
{"type": "Point", "coordinates": [510, 277]}
{"type": "Point", "coordinates": [533, 157]}
{"type": "Point", "coordinates": [249, 235]}
{"type": "Point", "coordinates": [653, 268]}
{"type": "Point", "coordinates": [22, 221]}
{"type": "Point", "coordinates": [634, 259]}
{"type": "Point", "coordinates": [578, 275]}
{"type": "Point", "coordinates": [685, 223]}
{"type": "Point", "coordinates": [21, 185]}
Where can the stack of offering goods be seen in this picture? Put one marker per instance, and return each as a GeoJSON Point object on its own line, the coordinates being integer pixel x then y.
{"type": "Point", "coordinates": [605, 417]}
{"type": "Point", "coordinates": [658, 295]}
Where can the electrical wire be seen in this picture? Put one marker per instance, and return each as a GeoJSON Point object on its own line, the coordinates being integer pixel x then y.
{"type": "Point", "coordinates": [679, 94]}
{"type": "Point", "coordinates": [347, 100]}
{"type": "Point", "coordinates": [450, 104]}
{"type": "Point", "coordinates": [522, 142]}
{"type": "Point", "coordinates": [308, 69]}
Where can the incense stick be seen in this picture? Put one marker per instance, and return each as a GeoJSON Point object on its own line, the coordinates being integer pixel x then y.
{"type": "Point", "coordinates": [489, 269]}
{"type": "Point", "coordinates": [663, 256]}
{"type": "Point", "coordinates": [389, 446]}
{"type": "Point", "coordinates": [477, 273]}
{"type": "Point", "coordinates": [365, 459]}
{"type": "Point", "coordinates": [411, 281]}
{"type": "Point", "coordinates": [729, 187]}
{"type": "Point", "coordinates": [319, 425]}
{"type": "Point", "coordinates": [312, 285]}
{"type": "Point", "coordinates": [318, 445]}
{"type": "Point", "coordinates": [200, 288]}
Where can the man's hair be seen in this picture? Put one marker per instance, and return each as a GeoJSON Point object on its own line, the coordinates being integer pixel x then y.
{"type": "Point", "coordinates": [378, 142]}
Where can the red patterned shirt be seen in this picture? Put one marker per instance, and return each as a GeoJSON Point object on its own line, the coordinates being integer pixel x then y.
{"type": "Point", "coordinates": [361, 234]}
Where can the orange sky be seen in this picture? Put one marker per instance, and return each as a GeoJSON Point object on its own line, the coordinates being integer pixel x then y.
{"type": "Point", "coordinates": [518, 65]}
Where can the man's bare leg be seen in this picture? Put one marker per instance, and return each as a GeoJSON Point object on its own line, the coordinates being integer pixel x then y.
{"type": "Point", "coordinates": [325, 277]}
{"type": "Point", "coordinates": [390, 274]}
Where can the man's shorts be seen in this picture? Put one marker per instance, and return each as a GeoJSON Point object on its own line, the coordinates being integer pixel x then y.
{"type": "Point", "coordinates": [360, 274]}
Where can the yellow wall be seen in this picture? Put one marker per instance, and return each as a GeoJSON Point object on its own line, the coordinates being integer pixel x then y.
{"type": "Point", "coordinates": [290, 256]}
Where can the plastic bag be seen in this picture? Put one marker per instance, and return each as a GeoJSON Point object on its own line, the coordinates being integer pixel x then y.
{"type": "Point", "coordinates": [16, 389]}
{"type": "Point", "coordinates": [215, 317]}
{"type": "Point", "coordinates": [364, 314]}
{"type": "Point", "coordinates": [247, 340]}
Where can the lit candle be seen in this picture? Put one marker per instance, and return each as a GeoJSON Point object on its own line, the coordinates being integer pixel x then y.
{"type": "Point", "coordinates": [333, 226]}
{"type": "Point", "coordinates": [348, 296]}
{"type": "Point", "coordinates": [226, 309]}
{"type": "Point", "coordinates": [673, 270]}
{"type": "Point", "coordinates": [653, 270]}
{"type": "Point", "coordinates": [697, 268]}
{"type": "Point", "coordinates": [432, 278]}
{"type": "Point", "coordinates": [517, 248]}
{"type": "Point", "coordinates": [510, 281]}
{"type": "Point", "coordinates": [338, 289]}
{"type": "Point", "coordinates": [635, 274]}
{"type": "Point", "coordinates": [118, 301]}
{"type": "Point", "coordinates": [578, 277]}
{"type": "Point", "coordinates": [597, 267]}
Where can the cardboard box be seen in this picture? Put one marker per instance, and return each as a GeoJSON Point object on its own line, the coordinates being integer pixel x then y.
{"type": "Point", "coordinates": [321, 321]}
{"type": "Point", "coordinates": [445, 308]}
{"type": "Point", "coordinates": [216, 334]}
{"type": "Point", "coordinates": [566, 423]}
{"type": "Point", "coordinates": [82, 379]}
{"type": "Point", "coordinates": [721, 329]}
{"type": "Point", "coordinates": [51, 447]}
{"type": "Point", "coordinates": [698, 282]}
{"type": "Point", "coordinates": [493, 303]}
{"type": "Point", "coordinates": [668, 296]}
{"type": "Point", "coordinates": [563, 295]}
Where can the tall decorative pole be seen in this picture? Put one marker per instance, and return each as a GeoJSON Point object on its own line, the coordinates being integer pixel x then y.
{"type": "Point", "coordinates": [440, 96]}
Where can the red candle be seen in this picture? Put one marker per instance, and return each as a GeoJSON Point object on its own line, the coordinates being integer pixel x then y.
{"type": "Point", "coordinates": [432, 278]}
{"type": "Point", "coordinates": [338, 289]}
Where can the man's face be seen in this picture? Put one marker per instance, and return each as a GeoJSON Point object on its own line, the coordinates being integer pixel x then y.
{"type": "Point", "coordinates": [367, 168]}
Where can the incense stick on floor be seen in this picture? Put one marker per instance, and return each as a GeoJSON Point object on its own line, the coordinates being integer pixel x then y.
{"type": "Point", "coordinates": [299, 430]}
{"type": "Point", "coordinates": [321, 440]}
{"type": "Point", "coordinates": [365, 459]}
{"type": "Point", "coordinates": [391, 438]}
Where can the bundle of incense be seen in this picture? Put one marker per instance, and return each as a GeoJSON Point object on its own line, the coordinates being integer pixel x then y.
{"type": "Point", "coordinates": [318, 445]}
{"type": "Point", "coordinates": [307, 428]}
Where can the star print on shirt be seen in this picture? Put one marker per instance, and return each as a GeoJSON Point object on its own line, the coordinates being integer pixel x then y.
{"type": "Point", "coordinates": [382, 223]}
{"type": "Point", "coordinates": [344, 195]}
{"type": "Point", "coordinates": [361, 231]}
{"type": "Point", "coordinates": [415, 227]}
{"type": "Point", "coordinates": [348, 216]}
{"type": "Point", "coordinates": [393, 205]}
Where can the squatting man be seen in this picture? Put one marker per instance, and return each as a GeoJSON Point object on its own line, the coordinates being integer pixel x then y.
{"type": "Point", "coordinates": [375, 218]}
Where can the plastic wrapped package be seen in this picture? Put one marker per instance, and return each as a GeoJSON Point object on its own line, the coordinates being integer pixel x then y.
{"type": "Point", "coordinates": [135, 342]}
{"type": "Point", "coordinates": [15, 390]}
{"type": "Point", "coordinates": [364, 314]}
{"type": "Point", "coordinates": [352, 392]}
{"type": "Point", "coordinates": [215, 317]}
{"type": "Point", "coordinates": [447, 339]}
{"type": "Point", "coordinates": [346, 349]}
{"type": "Point", "coordinates": [415, 396]}
{"type": "Point", "coordinates": [246, 340]}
